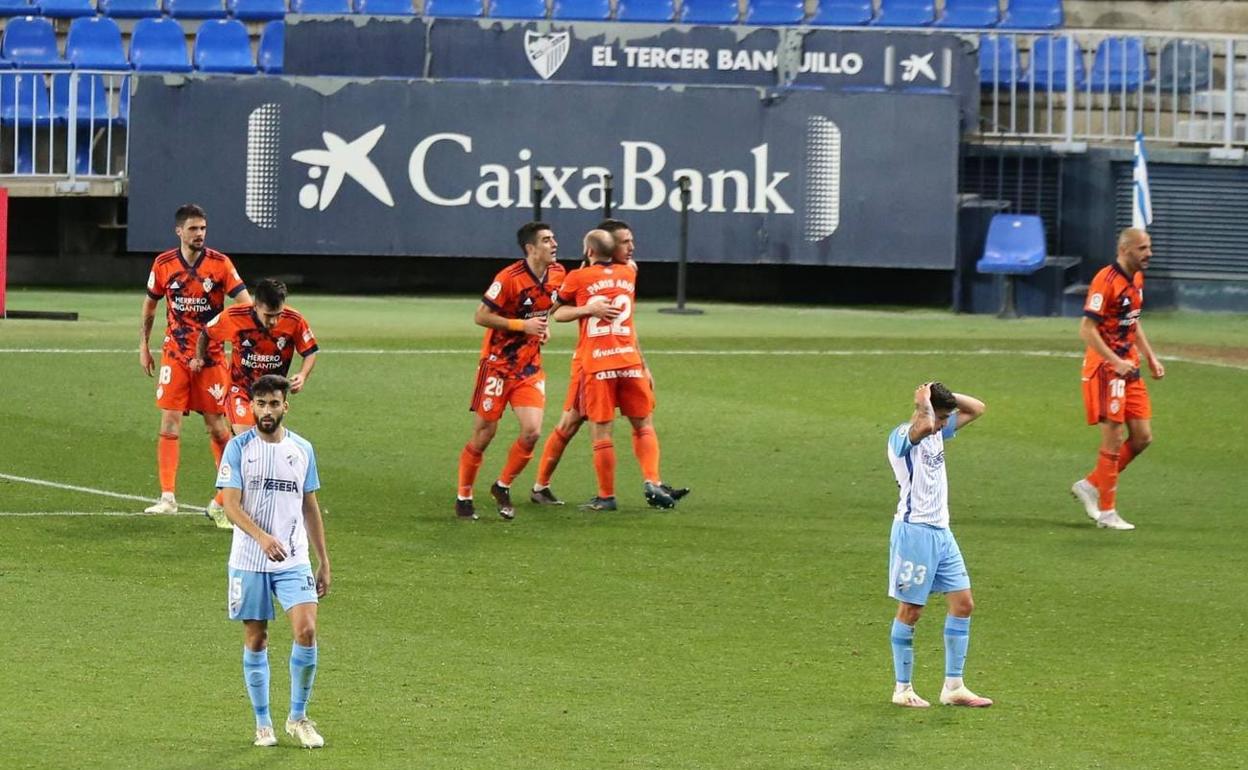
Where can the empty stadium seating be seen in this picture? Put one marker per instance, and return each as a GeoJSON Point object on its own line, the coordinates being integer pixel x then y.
{"type": "Point", "coordinates": [223, 46]}
{"type": "Point", "coordinates": [159, 45]}
{"type": "Point", "coordinates": [385, 7]}
{"type": "Point", "coordinates": [974, 14]}
{"type": "Point", "coordinates": [906, 13]}
{"type": "Point", "coordinates": [709, 12]}
{"type": "Point", "coordinates": [645, 10]}
{"type": "Point", "coordinates": [130, 9]}
{"type": "Point", "coordinates": [843, 13]}
{"type": "Point", "coordinates": [518, 9]}
{"type": "Point", "coordinates": [270, 55]}
{"type": "Point", "coordinates": [320, 6]}
{"type": "Point", "coordinates": [998, 61]}
{"type": "Point", "coordinates": [256, 10]}
{"type": "Point", "coordinates": [454, 8]}
{"type": "Point", "coordinates": [1049, 66]}
{"type": "Point", "coordinates": [195, 9]}
{"type": "Point", "coordinates": [1183, 66]}
{"type": "Point", "coordinates": [1119, 64]}
{"type": "Point", "coordinates": [582, 10]}
{"type": "Point", "coordinates": [30, 41]}
{"type": "Point", "coordinates": [95, 43]}
{"type": "Point", "coordinates": [1033, 14]}
{"type": "Point", "coordinates": [66, 9]}
{"type": "Point", "coordinates": [92, 98]}
{"type": "Point", "coordinates": [775, 12]}
{"type": "Point", "coordinates": [16, 8]}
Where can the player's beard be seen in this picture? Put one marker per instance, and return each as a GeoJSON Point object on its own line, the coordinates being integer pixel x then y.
{"type": "Point", "coordinates": [274, 422]}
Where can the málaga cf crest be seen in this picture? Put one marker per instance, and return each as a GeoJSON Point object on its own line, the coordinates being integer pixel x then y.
{"type": "Point", "coordinates": [546, 52]}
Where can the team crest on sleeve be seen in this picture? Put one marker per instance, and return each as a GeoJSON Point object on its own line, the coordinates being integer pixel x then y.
{"type": "Point", "coordinates": [224, 473]}
{"type": "Point", "coordinates": [151, 280]}
{"type": "Point", "coordinates": [495, 289]}
{"type": "Point", "coordinates": [307, 335]}
{"type": "Point", "coordinates": [1096, 303]}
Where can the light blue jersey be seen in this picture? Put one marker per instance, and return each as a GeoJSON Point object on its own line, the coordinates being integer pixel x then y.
{"type": "Point", "coordinates": [920, 470]}
{"type": "Point", "coordinates": [274, 477]}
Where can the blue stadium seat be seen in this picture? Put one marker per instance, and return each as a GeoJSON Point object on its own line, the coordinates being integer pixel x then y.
{"type": "Point", "coordinates": [970, 14]}
{"type": "Point", "coordinates": [454, 8]}
{"type": "Point", "coordinates": [843, 13]}
{"type": "Point", "coordinates": [130, 9]}
{"type": "Point", "coordinates": [95, 44]}
{"type": "Point", "coordinates": [1033, 14]}
{"type": "Point", "coordinates": [256, 10]}
{"type": "Point", "coordinates": [24, 99]}
{"type": "Point", "coordinates": [30, 42]}
{"type": "Point", "coordinates": [518, 9]}
{"type": "Point", "coordinates": [1183, 66]}
{"type": "Point", "coordinates": [645, 10]}
{"type": "Point", "coordinates": [709, 12]}
{"type": "Point", "coordinates": [906, 13]}
{"type": "Point", "coordinates": [582, 10]}
{"type": "Point", "coordinates": [1119, 64]}
{"type": "Point", "coordinates": [16, 8]}
{"type": "Point", "coordinates": [272, 50]}
{"type": "Point", "coordinates": [1015, 244]}
{"type": "Point", "coordinates": [320, 6]}
{"type": "Point", "coordinates": [195, 9]}
{"type": "Point", "coordinates": [92, 98]}
{"type": "Point", "coordinates": [222, 45]}
{"type": "Point", "coordinates": [123, 101]}
{"type": "Point", "coordinates": [159, 45]}
{"type": "Point", "coordinates": [66, 9]}
{"type": "Point", "coordinates": [998, 61]}
{"type": "Point", "coordinates": [1048, 64]}
{"type": "Point", "coordinates": [385, 7]}
{"type": "Point", "coordinates": [775, 12]}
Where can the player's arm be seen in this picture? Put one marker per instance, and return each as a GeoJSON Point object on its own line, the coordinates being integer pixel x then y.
{"type": "Point", "coordinates": [315, 525]}
{"type": "Point", "coordinates": [487, 317]}
{"type": "Point", "coordinates": [213, 330]}
{"type": "Point", "coordinates": [233, 499]}
{"type": "Point", "coordinates": [299, 380]}
{"type": "Point", "coordinates": [970, 409]}
{"type": "Point", "coordinates": [923, 421]}
{"type": "Point", "coordinates": [1092, 338]}
{"type": "Point", "coordinates": [1154, 363]}
{"type": "Point", "coordinates": [147, 317]}
{"type": "Point", "coordinates": [597, 307]}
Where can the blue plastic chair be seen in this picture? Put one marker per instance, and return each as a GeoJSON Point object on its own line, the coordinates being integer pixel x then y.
{"type": "Point", "coordinates": [256, 10]}
{"type": "Point", "coordinates": [92, 99]}
{"type": "Point", "coordinates": [1015, 244]}
{"type": "Point", "coordinates": [385, 7]}
{"type": "Point", "coordinates": [95, 44]}
{"type": "Point", "coordinates": [518, 9]}
{"type": "Point", "coordinates": [998, 61]}
{"type": "Point", "coordinates": [709, 12]}
{"type": "Point", "coordinates": [195, 9]}
{"type": "Point", "coordinates": [970, 14]}
{"type": "Point", "coordinates": [159, 45]}
{"type": "Point", "coordinates": [30, 42]}
{"type": "Point", "coordinates": [320, 6]}
{"type": "Point", "coordinates": [16, 8]}
{"type": "Point", "coordinates": [843, 13]}
{"type": "Point", "coordinates": [1033, 14]}
{"type": "Point", "coordinates": [272, 50]}
{"type": "Point", "coordinates": [906, 13]}
{"type": "Point", "coordinates": [1048, 64]}
{"type": "Point", "coordinates": [222, 45]}
{"type": "Point", "coordinates": [582, 10]}
{"type": "Point", "coordinates": [66, 9]}
{"type": "Point", "coordinates": [645, 10]}
{"type": "Point", "coordinates": [130, 9]}
{"type": "Point", "coordinates": [455, 8]}
{"type": "Point", "coordinates": [24, 100]}
{"type": "Point", "coordinates": [1183, 66]}
{"type": "Point", "coordinates": [775, 12]}
{"type": "Point", "coordinates": [1119, 64]}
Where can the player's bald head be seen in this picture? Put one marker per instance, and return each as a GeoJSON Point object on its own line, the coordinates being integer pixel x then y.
{"type": "Point", "coordinates": [599, 245]}
{"type": "Point", "coordinates": [1130, 237]}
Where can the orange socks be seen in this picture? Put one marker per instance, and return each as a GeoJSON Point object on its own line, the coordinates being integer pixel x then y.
{"type": "Point", "coordinates": [551, 454]}
{"type": "Point", "coordinates": [1125, 456]}
{"type": "Point", "coordinates": [517, 457]}
{"type": "Point", "coordinates": [469, 464]}
{"type": "Point", "coordinates": [218, 449]}
{"type": "Point", "coordinates": [604, 466]}
{"type": "Point", "coordinates": [646, 447]}
{"type": "Point", "coordinates": [167, 461]}
{"type": "Point", "coordinates": [1105, 478]}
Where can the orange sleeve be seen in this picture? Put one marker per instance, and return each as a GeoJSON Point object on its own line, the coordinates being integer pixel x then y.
{"type": "Point", "coordinates": [156, 282]}
{"type": "Point", "coordinates": [568, 290]}
{"type": "Point", "coordinates": [233, 282]}
{"type": "Point", "coordinates": [500, 293]}
{"type": "Point", "coordinates": [1099, 296]}
{"type": "Point", "coordinates": [305, 340]}
{"type": "Point", "coordinates": [220, 328]}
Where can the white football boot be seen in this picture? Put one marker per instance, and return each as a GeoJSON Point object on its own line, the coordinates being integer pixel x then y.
{"type": "Point", "coordinates": [1086, 493]}
{"type": "Point", "coordinates": [305, 730]}
{"type": "Point", "coordinates": [265, 737]}
{"type": "Point", "coordinates": [1111, 520]}
{"type": "Point", "coordinates": [166, 505]}
{"type": "Point", "coordinates": [961, 696]}
{"type": "Point", "coordinates": [909, 698]}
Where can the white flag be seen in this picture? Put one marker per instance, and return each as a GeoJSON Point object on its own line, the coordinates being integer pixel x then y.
{"type": "Point", "coordinates": [1141, 198]}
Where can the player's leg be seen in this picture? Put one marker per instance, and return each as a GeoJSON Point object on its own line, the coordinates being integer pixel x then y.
{"type": "Point", "coordinates": [219, 434]}
{"type": "Point", "coordinates": [599, 400]}
{"type": "Point", "coordinates": [636, 400]}
{"type": "Point", "coordinates": [296, 590]}
{"type": "Point", "coordinates": [238, 411]}
{"type": "Point", "coordinates": [484, 426]}
{"type": "Point", "coordinates": [1139, 423]}
{"type": "Point", "coordinates": [250, 599]}
{"type": "Point", "coordinates": [912, 556]}
{"type": "Point", "coordinates": [569, 423]}
{"type": "Point", "coordinates": [1105, 477]}
{"type": "Point", "coordinates": [167, 450]}
{"type": "Point", "coordinates": [528, 401]}
{"type": "Point", "coordinates": [951, 578]}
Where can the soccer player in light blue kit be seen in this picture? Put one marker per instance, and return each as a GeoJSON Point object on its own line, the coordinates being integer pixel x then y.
{"type": "Point", "coordinates": [923, 554]}
{"type": "Point", "coordinates": [269, 480]}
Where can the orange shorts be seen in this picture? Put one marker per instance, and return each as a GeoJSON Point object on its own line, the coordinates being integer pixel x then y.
{"type": "Point", "coordinates": [495, 391]}
{"type": "Point", "coordinates": [628, 389]}
{"type": "Point", "coordinates": [238, 405]}
{"type": "Point", "coordinates": [1106, 396]}
{"type": "Point", "coordinates": [574, 401]}
{"type": "Point", "coordinates": [181, 390]}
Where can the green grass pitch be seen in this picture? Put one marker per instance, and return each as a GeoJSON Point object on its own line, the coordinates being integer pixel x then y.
{"type": "Point", "coordinates": [747, 629]}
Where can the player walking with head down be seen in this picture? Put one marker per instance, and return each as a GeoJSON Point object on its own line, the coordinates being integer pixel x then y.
{"type": "Point", "coordinates": [1113, 391]}
{"type": "Point", "coordinates": [923, 554]}
{"type": "Point", "coordinates": [513, 312]}
{"type": "Point", "coordinates": [193, 280]}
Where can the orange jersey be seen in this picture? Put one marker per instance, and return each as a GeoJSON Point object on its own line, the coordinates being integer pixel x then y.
{"type": "Point", "coordinates": [257, 351]}
{"type": "Point", "coordinates": [194, 295]}
{"type": "Point", "coordinates": [605, 344]}
{"type": "Point", "coordinates": [517, 293]}
{"type": "Point", "coordinates": [1114, 302]}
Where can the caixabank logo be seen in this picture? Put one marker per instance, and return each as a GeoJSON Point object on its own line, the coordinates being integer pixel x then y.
{"type": "Point", "coordinates": [641, 174]}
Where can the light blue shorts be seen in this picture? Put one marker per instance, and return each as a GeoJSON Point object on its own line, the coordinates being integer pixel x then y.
{"type": "Point", "coordinates": [251, 593]}
{"type": "Point", "coordinates": [924, 560]}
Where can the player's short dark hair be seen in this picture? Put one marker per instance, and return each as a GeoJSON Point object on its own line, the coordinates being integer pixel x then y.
{"type": "Point", "coordinates": [942, 397]}
{"type": "Point", "coordinates": [270, 292]}
{"type": "Point", "coordinates": [271, 383]}
{"type": "Point", "coordinates": [188, 211]}
{"type": "Point", "coordinates": [613, 226]}
{"type": "Point", "coordinates": [527, 234]}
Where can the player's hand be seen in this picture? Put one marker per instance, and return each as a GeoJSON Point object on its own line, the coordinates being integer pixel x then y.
{"type": "Point", "coordinates": [146, 362]}
{"type": "Point", "coordinates": [272, 547]}
{"type": "Point", "coordinates": [546, 335]}
{"type": "Point", "coordinates": [296, 383]}
{"type": "Point", "coordinates": [195, 364]}
{"type": "Point", "coordinates": [1122, 367]}
{"type": "Point", "coordinates": [536, 326]}
{"type": "Point", "coordinates": [923, 394]}
{"type": "Point", "coordinates": [323, 580]}
{"type": "Point", "coordinates": [1157, 367]}
{"type": "Point", "coordinates": [603, 309]}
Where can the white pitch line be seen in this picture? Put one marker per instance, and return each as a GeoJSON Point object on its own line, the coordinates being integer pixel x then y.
{"type": "Point", "coordinates": [31, 514]}
{"type": "Point", "coordinates": [90, 491]}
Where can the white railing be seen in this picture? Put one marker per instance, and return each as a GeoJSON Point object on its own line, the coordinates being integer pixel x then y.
{"type": "Point", "coordinates": [64, 125]}
{"type": "Point", "coordinates": [1077, 86]}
